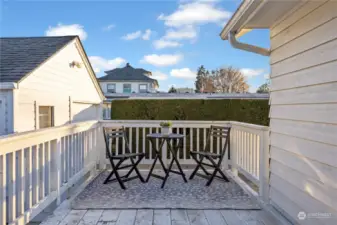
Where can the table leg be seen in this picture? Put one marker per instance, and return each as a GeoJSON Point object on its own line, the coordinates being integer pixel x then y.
{"type": "Point", "coordinates": [174, 151]}
{"type": "Point", "coordinates": [157, 157]}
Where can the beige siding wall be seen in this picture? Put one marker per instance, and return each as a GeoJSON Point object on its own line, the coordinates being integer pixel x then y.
{"type": "Point", "coordinates": [304, 112]}
{"type": "Point", "coordinates": [53, 84]}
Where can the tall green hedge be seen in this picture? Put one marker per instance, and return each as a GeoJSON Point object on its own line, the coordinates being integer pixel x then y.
{"type": "Point", "coordinates": [249, 111]}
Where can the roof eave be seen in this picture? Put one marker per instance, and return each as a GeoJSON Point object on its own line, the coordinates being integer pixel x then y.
{"type": "Point", "coordinates": [240, 18]}
{"type": "Point", "coordinates": [8, 85]}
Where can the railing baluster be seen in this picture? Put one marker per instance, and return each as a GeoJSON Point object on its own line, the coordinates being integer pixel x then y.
{"type": "Point", "coordinates": [48, 175]}
{"type": "Point", "coordinates": [30, 177]}
{"type": "Point", "coordinates": [184, 145]}
{"type": "Point", "coordinates": [11, 187]}
{"type": "Point", "coordinates": [36, 175]}
{"type": "Point", "coordinates": [123, 140]}
{"type": "Point", "coordinates": [191, 141]}
{"type": "Point", "coordinates": [130, 139]}
{"type": "Point", "coordinates": [42, 171]}
{"type": "Point", "coordinates": [157, 140]}
{"type": "Point", "coordinates": [22, 177]}
{"type": "Point", "coordinates": [150, 146]}
{"type": "Point", "coordinates": [3, 193]}
{"type": "Point", "coordinates": [218, 145]}
{"type": "Point", "coordinates": [137, 139]}
{"type": "Point", "coordinates": [69, 156]}
{"type": "Point", "coordinates": [198, 138]}
{"type": "Point", "coordinates": [143, 140]}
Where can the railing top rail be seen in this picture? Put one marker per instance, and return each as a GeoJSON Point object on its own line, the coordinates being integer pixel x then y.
{"type": "Point", "coordinates": [55, 131]}
{"type": "Point", "coordinates": [186, 122]}
{"type": "Point", "coordinates": [249, 125]}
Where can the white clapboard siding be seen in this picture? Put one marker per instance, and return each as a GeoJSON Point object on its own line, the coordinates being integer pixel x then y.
{"type": "Point", "coordinates": [289, 208]}
{"type": "Point", "coordinates": [319, 132]}
{"type": "Point", "coordinates": [302, 199]}
{"type": "Point", "coordinates": [307, 41]}
{"type": "Point", "coordinates": [318, 94]}
{"type": "Point", "coordinates": [320, 113]}
{"type": "Point", "coordinates": [318, 151]}
{"type": "Point", "coordinates": [303, 9]}
{"type": "Point", "coordinates": [312, 20]}
{"type": "Point", "coordinates": [321, 172]}
{"type": "Point", "coordinates": [320, 74]}
{"type": "Point", "coordinates": [315, 56]}
{"type": "Point", "coordinates": [314, 188]}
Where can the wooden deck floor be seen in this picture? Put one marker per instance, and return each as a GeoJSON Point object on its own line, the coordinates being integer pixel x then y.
{"type": "Point", "coordinates": [162, 217]}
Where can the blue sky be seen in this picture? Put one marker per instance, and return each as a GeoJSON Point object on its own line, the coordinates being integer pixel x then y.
{"type": "Point", "coordinates": [170, 38]}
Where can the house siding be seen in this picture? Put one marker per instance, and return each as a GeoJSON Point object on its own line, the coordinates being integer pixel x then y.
{"type": "Point", "coordinates": [303, 113]}
{"type": "Point", "coordinates": [119, 86]}
{"type": "Point", "coordinates": [56, 84]}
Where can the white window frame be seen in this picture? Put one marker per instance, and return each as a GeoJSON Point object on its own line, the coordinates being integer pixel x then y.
{"type": "Point", "coordinates": [130, 88]}
{"type": "Point", "coordinates": [49, 115]}
{"type": "Point", "coordinates": [108, 90]}
{"type": "Point", "coordinates": [146, 88]}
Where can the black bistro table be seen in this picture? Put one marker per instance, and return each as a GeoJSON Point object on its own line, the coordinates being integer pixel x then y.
{"type": "Point", "coordinates": [173, 148]}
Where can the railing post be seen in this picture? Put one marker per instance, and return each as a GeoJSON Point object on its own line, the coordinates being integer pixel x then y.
{"type": "Point", "coordinates": [264, 166]}
{"type": "Point", "coordinates": [100, 147]}
{"type": "Point", "coordinates": [56, 170]}
{"type": "Point", "coordinates": [233, 149]}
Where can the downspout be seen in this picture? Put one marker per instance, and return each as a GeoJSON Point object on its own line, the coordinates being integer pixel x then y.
{"type": "Point", "coordinates": [246, 47]}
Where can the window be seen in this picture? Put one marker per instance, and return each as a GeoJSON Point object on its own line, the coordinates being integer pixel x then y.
{"type": "Point", "coordinates": [143, 88]}
{"type": "Point", "coordinates": [111, 88]}
{"type": "Point", "coordinates": [46, 116]}
{"type": "Point", "coordinates": [126, 88]}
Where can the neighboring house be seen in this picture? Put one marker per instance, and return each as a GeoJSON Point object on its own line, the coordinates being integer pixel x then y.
{"type": "Point", "coordinates": [127, 80]}
{"type": "Point", "coordinates": [303, 99]}
{"type": "Point", "coordinates": [185, 90]}
{"type": "Point", "coordinates": [44, 82]}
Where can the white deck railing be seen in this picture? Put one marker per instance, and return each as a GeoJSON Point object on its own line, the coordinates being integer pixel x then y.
{"type": "Point", "coordinates": [38, 167]}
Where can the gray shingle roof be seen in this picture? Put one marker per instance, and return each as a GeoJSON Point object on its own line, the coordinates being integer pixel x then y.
{"type": "Point", "coordinates": [127, 73]}
{"type": "Point", "coordinates": [19, 56]}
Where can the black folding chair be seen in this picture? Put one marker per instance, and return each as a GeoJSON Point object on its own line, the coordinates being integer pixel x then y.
{"type": "Point", "coordinates": [110, 136]}
{"type": "Point", "coordinates": [214, 158]}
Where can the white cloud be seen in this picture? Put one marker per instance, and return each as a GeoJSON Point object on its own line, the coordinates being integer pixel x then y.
{"type": "Point", "coordinates": [159, 75]}
{"type": "Point", "coordinates": [162, 43]}
{"type": "Point", "coordinates": [162, 60]}
{"type": "Point", "coordinates": [147, 34]}
{"type": "Point", "coordinates": [184, 73]}
{"type": "Point", "coordinates": [132, 36]}
{"type": "Point", "coordinates": [63, 30]}
{"type": "Point", "coordinates": [100, 63]}
{"type": "Point", "coordinates": [266, 76]}
{"type": "Point", "coordinates": [247, 72]}
{"type": "Point", "coordinates": [109, 27]}
{"type": "Point", "coordinates": [138, 34]}
{"type": "Point", "coordinates": [187, 32]}
{"type": "Point", "coordinates": [195, 13]}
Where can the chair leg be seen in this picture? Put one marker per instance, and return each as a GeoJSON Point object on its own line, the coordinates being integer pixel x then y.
{"type": "Point", "coordinates": [216, 169]}
{"type": "Point", "coordinates": [136, 169]}
{"type": "Point", "coordinates": [115, 171]}
{"type": "Point", "coordinates": [197, 167]}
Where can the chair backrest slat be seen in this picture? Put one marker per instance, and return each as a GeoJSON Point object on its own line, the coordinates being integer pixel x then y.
{"type": "Point", "coordinates": [112, 134]}
{"type": "Point", "coordinates": [218, 132]}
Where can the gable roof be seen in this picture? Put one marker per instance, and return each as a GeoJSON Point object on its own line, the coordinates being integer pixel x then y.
{"type": "Point", "coordinates": [21, 55]}
{"type": "Point", "coordinates": [127, 73]}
